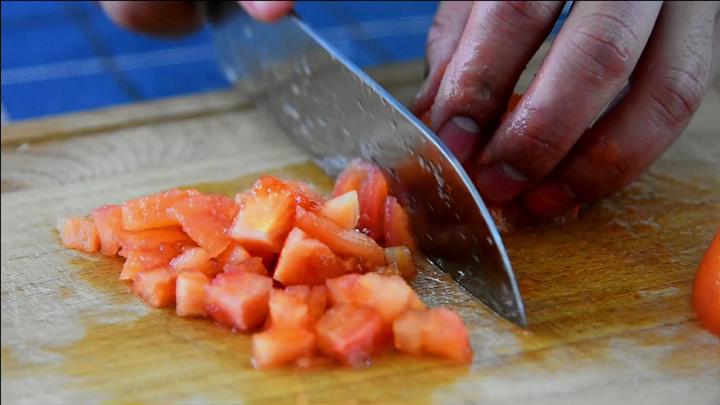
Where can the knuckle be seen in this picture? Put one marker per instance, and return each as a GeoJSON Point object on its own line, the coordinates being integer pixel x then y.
{"type": "Point", "coordinates": [523, 16]}
{"type": "Point", "coordinates": [600, 54]}
{"type": "Point", "coordinates": [679, 93]}
{"type": "Point", "coordinates": [537, 150]}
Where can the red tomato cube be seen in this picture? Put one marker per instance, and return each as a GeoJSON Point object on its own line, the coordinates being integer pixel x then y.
{"type": "Point", "coordinates": [350, 334]}
{"type": "Point", "coordinates": [278, 347]}
{"type": "Point", "coordinates": [344, 242]}
{"type": "Point", "coordinates": [190, 293]}
{"type": "Point", "coordinates": [156, 287]}
{"type": "Point", "coordinates": [252, 265]}
{"type": "Point", "coordinates": [206, 219]}
{"type": "Point", "coordinates": [238, 300]}
{"type": "Point", "coordinates": [344, 210]}
{"type": "Point", "coordinates": [233, 254]}
{"type": "Point", "coordinates": [436, 331]}
{"type": "Point", "coordinates": [195, 258]}
{"type": "Point", "coordinates": [263, 221]}
{"type": "Point", "coordinates": [158, 239]}
{"type": "Point", "coordinates": [304, 260]}
{"type": "Point", "coordinates": [396, 226]}
{"type": "Point", "coordinates": [109, 223]}
{"type": "Point", "coordinates": [371, 185]}
{"type": "Point", "coordinates": [288, 310]}
{"type": "Point", "coordinates": [140, 260]}
{"type": "Point", "coordinates": [80, 234]}
{"type": "Point", "coordinates": [152, 211]}
{"type": "Point", "coordinates": [706, 289]}
{"type": "Point", "coordinates": [400, 258]}
{"type": "Point", "coordinates": [315, 297]}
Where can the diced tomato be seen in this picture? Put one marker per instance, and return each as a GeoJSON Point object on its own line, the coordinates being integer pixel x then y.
{"type": "Point", "coordinates": [400, 258]}
{"type": "Point", "coordinates": [305, 195]}
{"type": "Point", "coordinates": [190, 293]}
{"type": "Point", "coordinates": [80, 234]}
{"type": "Point", "coordinates": [278, 347]}
{"type": "Point", "coordinates": [397, 227]}
{"type": "Point", "coordinates": [238, 300]}
{"type": "Point", "coordinates": [158, 239]}
{"type": "Point", "coordinates": [435, 331]}
{"type": "Point", "coordinates": [372, 188]}
{"type": "Point", "coordinates": [195, 258]}
{"type": "Point", "coordinates": [288, 310]}
{"type": "Point", "coordinates": [263, 221]}
{"type": "Point", "coordinates": [350, 334]}
{"type": "Point", "coordinates": [156, 287]}
{"type": "Point", "coordinates": [206, 219]}
{"type": "Point", "coordinates": [301, 193]}
{"type": "Point", "coordinates": [302, 292]}
{"type": "Point", "coordinates": [390, 296]}
{"type": "Point", "coordinates": [706, 290]}
{"type": "Point", "coordinates": [344, 242]}
{"type": "Point", "coordinates": [151, 211]}
{"type": "Point", "coordinates": [344, 210]}
{"type": "Point", "coordinates": [317, 301]}
{"type": "Point", "coordinates": [304, 260]}
{"type": "Point", "coordinates": [512, 103]}
{"type": "Point", "coordinates": [233, 254]}
{"type": "Point", "coordinates": [109, 224]}
{"type": "Point", "coordinates": [139, 260]}
{"type": "Point", "coordinates": [252, 265]}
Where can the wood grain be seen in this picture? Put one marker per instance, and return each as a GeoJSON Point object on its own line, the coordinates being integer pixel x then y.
{"type": "Point", "coordinates": [607, 295]}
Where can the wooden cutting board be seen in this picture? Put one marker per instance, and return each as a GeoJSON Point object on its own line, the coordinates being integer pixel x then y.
{"type": "Point", "coordinates": [607, 295]}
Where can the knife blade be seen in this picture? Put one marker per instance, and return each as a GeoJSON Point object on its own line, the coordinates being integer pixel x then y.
{"type": "Point", "coordinates": [336, 112]}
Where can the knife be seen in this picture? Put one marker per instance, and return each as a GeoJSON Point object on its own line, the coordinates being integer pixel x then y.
{"type": "Point", "coordinates": [336, 112]}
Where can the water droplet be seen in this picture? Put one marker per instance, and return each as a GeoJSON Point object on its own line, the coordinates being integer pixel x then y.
{"type": "Point", "coordinates": [295, 89]}
{"type": "Point", "coordinates": [361, 106]}
{"type": "Point", "coordinates": [290, 111]}
{"type": "Point", "coordinates": [394, 124]}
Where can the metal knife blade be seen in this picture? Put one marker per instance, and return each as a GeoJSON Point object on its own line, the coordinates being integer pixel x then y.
{"type": "Point", "coordinates": [336, 112]}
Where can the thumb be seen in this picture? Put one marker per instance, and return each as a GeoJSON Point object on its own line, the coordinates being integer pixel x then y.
{"type": "Point", "coordinates": [267, 11]}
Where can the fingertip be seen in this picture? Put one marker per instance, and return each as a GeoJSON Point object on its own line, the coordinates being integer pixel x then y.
{"type": "Point", "coordinates": [267, 11]}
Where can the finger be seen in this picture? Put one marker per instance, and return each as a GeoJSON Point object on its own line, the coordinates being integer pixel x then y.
{"type": "Point", "coordinates": [267, 11]}
{"type": "Point", "coordinates": [588, 63]}
{"type": "Point", "coordinates": [443, 37]}
{"type": "Point", "coordinates": [161, 18]}
{"type": "Point", "coordinates": [666, 90]}
{"type": "Point", "coordinates": [498, 41]}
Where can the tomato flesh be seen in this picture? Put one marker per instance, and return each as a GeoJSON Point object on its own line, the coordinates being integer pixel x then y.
{"type": "Point", "coordinates": [278, 347]}
{"type": "Point", "coordinates": [140, 260]}
{"type": "Point", "coordinates": [109, 223]}
{"type": "Point", "coordinates": [156, 287]}
{"type": "Point", "coordinates": [288, 310]}
{"type": "Point", "coordinates": [234, 254]}
{"type": "Point", "coordinates": [195, 258]}
{"type": "Point", "coordinates": [238, 300]}
{"type": "Point", "coordinates": [157, 239]}
{"type": "Point", "coordinates": [344, 210]}
{"type": "Point", "coordinates": [372, 188]}
{"type": "Point", "coordinates": [350, 334]}
{"type": "Point", "coordinates": [263, 221]}
{"type": "Point", "coordinates": [206, 219]}
{"type": "Point", "coordinates": [190, 293]}
{"type": "Point", "coordinates": [252, 265]}
{"type": "Point", "coordinates": [152, 211]}
{"type": "Point", "coordinates": [304, 260]}
{"type": "Point", "coordinates": [401, 260]}
{"type": "Point", "coordinates": [396, 226]}
{"type": "Point", "coordinates": [80, 234]}
{"type": "Point", "coordinates": [706, 290]}
{"type": "Point", "coordinates": [435, 331]}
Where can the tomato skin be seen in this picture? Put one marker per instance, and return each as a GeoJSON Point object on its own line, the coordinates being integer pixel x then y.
{"type": "Point", "coordinates": [80, 234]}
{"type": "Point", "coordinates": [372, 188]}
{"type": "Point", "coordinates": [397, 227]}
{"type": "Point", "coordinates": [400, 259]}
{"type": "Point", "coordinates": [108, 221]}
{"type": "Point", "coordinates": [706, 290]}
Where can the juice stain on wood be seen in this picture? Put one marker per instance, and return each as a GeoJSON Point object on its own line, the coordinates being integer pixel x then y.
{"type": "Point", "coordinates": [159, 349]}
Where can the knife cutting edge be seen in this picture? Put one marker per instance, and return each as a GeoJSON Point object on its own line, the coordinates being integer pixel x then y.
{"type": "Point", "coordinates": [336, 112]}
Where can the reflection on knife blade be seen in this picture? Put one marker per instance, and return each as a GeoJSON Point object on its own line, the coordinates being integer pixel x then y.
{"type": "Point", "coordinates": [336, 112]}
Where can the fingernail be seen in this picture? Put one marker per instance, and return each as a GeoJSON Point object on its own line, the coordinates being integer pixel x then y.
{"type": "Point", "coordinates": [500, 182]}
{"type": "Point", "coordinates": [460, 134]}
{"type": "Point", "coordinates": [550, 199]}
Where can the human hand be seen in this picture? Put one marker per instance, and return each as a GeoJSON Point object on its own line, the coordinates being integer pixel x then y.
{"type": "Point", "coordinates": [544, 157]}
{"type": "Point", "coordinates": [175, 18]}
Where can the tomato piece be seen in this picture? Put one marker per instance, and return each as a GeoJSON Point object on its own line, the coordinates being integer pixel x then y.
{"type": "Point", "coordinates": [190, 293]}
{"type": "Point", "coordinates": [158, 239]}
{"type": "Point", "coordinates": [80, 234]}
{"type": "Point", "coordinates": [372, 188]}
{"type": "Point", "coordinates": [195, 258]}
{"type": "Point", "coordinates": [344, 210]}
{"type": "Point", "coordinates": [301, 193]}
{"type": "Point", "coordinates": [277, 347]}
{"type": "Point", "coordinates": [109, 223]}
{"type": "Point", "coordinates": [305, 195]}
{"type": "Point", "coordinates": [233, 254]}
{"type": "Point", "coordinates": [344, 242]}
{"type": "Point", "coordinates": [238, 300]}
{"type": "Point", "coordinates": [706, 290]}
{"type": "Point", "coordinates": [436, 331]}
{"type": "Point", "coordinates": [396, 226]}
{"type": "Point", "coordinates": [315, 297]}
{"type": "Point", "coordinates": [152, 211]}
{"type": "Point", "coordinates": [288, 310]}
{"type": "Point", "coordinates": [350, 334]}
{"type": "Point", "coordinates": [156, 287]}
{"type": "Point", "coordinates": [252, 265]}
{"type": "Point", "coordinates": [512, 103]}
{"type": "Point", "coordinates": [400, 258]}
{"type": "Point", "coordinates": [263, 221]}
{"type": "Point", "coordinates": [140, 260]}
{"type": "Point", "coordinates": [206, 219]}
{"type": "Point", "coordinates": [390, 296]}
{"type": "Point", "coordinates": [304, 260]}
